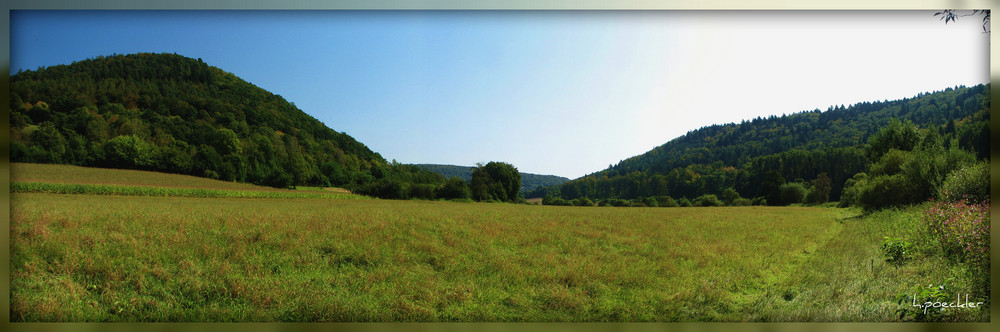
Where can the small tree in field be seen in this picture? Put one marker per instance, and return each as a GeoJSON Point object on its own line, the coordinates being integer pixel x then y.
{"type": "Point", "coordinates": [495, 181]}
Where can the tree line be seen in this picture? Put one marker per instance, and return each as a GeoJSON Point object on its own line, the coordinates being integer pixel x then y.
{"type": "Point", "coordinates": [789, 159]}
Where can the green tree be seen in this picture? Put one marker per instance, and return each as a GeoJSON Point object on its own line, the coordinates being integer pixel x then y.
{"type": "Point", "coordinates": [729, 195]}
{"type": "Point", "coordinates": [770, 188]}
{"type": "Point", "coordinates": [792, 193]}
{"type": "Point", "coordinates": [495, 181]}
{"type": "Point", "coordinates": [129, 151]}
{"type": "Point", "coordinates": [453, 188]}
{"type": "Point", "coordinates": [896, 135]}
{"type": "Point", "coordinates": [821, 189]}
{"type": "Point", "coordinates": [883, 191]}
{"type": "Point", "coordinates": [51, 141]}
{"type": "Point", "coordinates": [227, 142]}
{"type": "Point", "coordinates": [851, 188]}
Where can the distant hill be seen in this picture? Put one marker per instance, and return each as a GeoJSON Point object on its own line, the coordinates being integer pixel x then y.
{"type": "Point", "coordinates": [528, 181]}
{"type": "Point", "coordinates": [170, 113]}
{"type": "Point", "coordinates": [798, 146]}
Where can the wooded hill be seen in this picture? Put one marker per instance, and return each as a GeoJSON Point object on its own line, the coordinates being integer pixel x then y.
{"type": "Point", "coordinates": [166, 112]}
{"type": "Point", "coordinates": [799, 147]}
{"type": "Point", "coordinates": [169, 113]}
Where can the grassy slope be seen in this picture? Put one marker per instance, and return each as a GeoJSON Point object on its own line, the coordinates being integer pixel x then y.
{"type": "Point", "coordinates": [68, 174]}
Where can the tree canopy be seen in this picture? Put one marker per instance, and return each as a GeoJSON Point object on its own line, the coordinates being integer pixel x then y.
{"type": "Point", "coordinates": [755, 157]}
{"type": "Point", "coordinates": [170, 113]}
{"type": "Point", "coordinates": [495, 181]}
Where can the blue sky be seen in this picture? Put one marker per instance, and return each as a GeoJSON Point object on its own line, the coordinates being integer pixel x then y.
{"type": "Point", "coordinates": [553, 92]}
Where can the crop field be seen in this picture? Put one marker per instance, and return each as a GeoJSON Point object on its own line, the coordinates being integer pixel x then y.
{"type": "Point", "coordinates": [85, 257]}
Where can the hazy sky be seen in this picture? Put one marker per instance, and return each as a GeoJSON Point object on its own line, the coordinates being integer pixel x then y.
{"type": "Point", "coordinates": [555, 92]}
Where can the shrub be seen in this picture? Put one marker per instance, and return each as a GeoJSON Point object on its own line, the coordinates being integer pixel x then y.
{"type": "Point", "coordinates": [684, 202]}
{"type": "Point", "coordinates": [792, 193]}
{"type": "Point", "coordinates": [729, 195]}
{"type": "Point", "coordinates": [453, 188]}
{"type": "Point", "coordinates": [583, 201]}
{"type": "Point", "coordinates": [741, 202]}
{"type": "Point", "coordinates": [615, 202]}
{"type": "Point", "coordinates": [925, 297]}
{"type": "Point", "coordinates": [422, 191]}
{"type": "Point", "coordinates": [213, 175]}
{"type": "Point", "coordinates": [895, 250]}
{"type": "Point", "coordinates": [970, 183]}
{"type": "Point", "coordinates": [890, 163]}
{"type": "Point", "coordinates": [386, 189]}
{"type": "Point", "coordinates": [707, 200]}
{"type": "Point", "coordinates": [557, 201]}
{"type": "Point", "coordinates": [885, 191]}
{"type": "Point", "coordinates": [849, 196]}
{"type": "Point", "coordinates": [963, 230]}
{"type": "Point", "coordinates": [666, 201]}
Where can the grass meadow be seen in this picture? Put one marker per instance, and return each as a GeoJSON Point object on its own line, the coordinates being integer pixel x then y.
{"type": "Point", "coordinates": [68, 174]}
{"type": "Point", "coordinates": [87, 257]}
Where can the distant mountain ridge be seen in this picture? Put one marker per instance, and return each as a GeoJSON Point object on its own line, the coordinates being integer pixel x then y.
{"type": "Point", "coordinates": [528, 181]}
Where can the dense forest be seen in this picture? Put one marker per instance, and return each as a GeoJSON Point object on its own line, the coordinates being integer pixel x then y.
{"type": "Point", "coordinates": [756, 158]}
{"type": "Point", "coordinates": [529, 181]}
{"type": "Point", "coordinates": [169, 113]}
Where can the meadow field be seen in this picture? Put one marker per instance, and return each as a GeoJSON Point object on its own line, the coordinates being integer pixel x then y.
{"type": "Point", "coordinates": [68, 174]}
{"type": "Point", "coordinates": [124, 257]}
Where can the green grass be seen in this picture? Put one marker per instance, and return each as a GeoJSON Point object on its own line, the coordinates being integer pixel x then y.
{"type": "Point", "coordinates": [850, 279]}
{"type": "Point", "coordinates": [68, 174]}
{"type": "Point", "coordinates": [98, 189]}
{"type": "Point", "coordinates": [179, 256]}
{"type": "Point", "coordinates": [130, 258]}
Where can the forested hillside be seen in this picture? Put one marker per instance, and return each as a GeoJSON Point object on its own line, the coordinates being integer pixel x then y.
{"type": "Point", "coordinates": [166, 112]}
{"type": "Point", "coordinates": [796, 148]}
{"type": "Point", "coordinates": [529, 181]}
{"type": "Point", "coordinates": [170, 113]}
